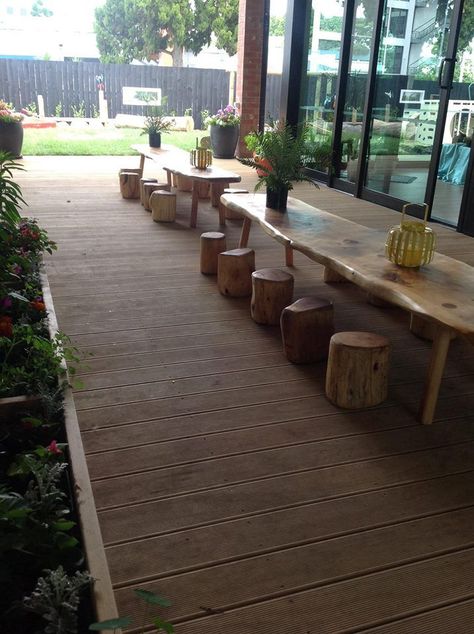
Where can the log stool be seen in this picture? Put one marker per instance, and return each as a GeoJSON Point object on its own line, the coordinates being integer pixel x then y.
{"type": "Point", "coordinates": [425, 329]}
{"type": "Point", "coordinates": [163, 206]}
{"type": "Point", "coordinates": [228, 213]}
{"type": "Point", "coordinates": [144, 180]}
{"type": "Point", "coordinates": [234, 272]}
{"type": "Point", "coordinates": [357, 372]}
{"type": "Point", "coordinates": [217, 190]}
{"type": "Point", "coordinates": [272, 290]}
{"type": "Point", "coordinates": [129, 184]}
{"type": "Point", "coordinates": [184, 183]}
{"type": "Point", "coordinates": [133, 170]}
{"type": "Point", "coordinates": [212, 243]}
{"type": "Point", "coordinates": [203, 190]}
{"type": "Point", "coordinates": [149, 188]}
{"type": "Point", "coordinates": [306, 328]}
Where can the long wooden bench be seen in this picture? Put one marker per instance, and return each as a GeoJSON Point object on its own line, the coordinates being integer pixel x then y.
{"type": "Point", "coordinates": [177, 162]}
{"type": "Point", "coordinates": [442, 292]}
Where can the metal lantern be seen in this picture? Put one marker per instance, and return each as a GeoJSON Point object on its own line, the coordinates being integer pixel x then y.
{"type": "Point", "coordinates": [411, 243]}
{"type": "Point", "coordinates": [201, 157]}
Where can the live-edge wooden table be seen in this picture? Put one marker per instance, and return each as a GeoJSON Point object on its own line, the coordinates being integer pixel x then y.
{"type": "Point", "coordinates": [441, 292]}
{"type": "Point", "coordinates": [176, 161]}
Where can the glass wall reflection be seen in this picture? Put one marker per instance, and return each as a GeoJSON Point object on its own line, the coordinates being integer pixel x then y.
{"type": "Point", "coordinates": [405, 110]}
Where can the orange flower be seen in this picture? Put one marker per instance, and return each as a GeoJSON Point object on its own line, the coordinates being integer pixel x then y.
{"type": "Point", "coordinates": [6, 328]}
{"type": "Point", "coordinates": [37, 305]}
{"type": "Point", "coordinates": [266, 166]}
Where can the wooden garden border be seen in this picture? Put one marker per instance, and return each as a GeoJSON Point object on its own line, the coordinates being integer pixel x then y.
{"type": "Point", "coordinates": [102, 591]}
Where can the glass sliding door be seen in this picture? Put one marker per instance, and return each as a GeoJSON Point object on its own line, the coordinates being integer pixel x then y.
{"type": "Point", "coordinates": [454, 170]}
{"type": "Point", "coordinates": [355, 89]}
{"type": "Point", "coordinates": [406, 103]}
{"type": "Point", "coordinates": [319, 80]}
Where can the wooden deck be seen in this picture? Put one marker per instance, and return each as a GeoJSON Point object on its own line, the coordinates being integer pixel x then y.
{"type": "Point", "coordinates": [223, 477]}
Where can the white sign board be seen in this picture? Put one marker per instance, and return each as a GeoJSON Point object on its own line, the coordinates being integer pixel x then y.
{"type": "Point", "coordinates": [139, 96]}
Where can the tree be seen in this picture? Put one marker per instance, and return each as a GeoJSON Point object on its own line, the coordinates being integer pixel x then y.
{"type": "Point", "coordinates": [145, 29]}
{"type": "Point", "coordinates": [277, 25]}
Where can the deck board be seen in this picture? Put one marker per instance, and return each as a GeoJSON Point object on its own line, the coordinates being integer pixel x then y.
{"type": "Point", "coordinates": [223, 477]}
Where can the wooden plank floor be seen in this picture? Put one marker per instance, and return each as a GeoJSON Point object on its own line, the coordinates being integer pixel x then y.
{"type": "Point", "coordinates": [223, 477]}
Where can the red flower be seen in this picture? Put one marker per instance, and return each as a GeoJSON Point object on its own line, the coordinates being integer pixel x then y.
{"type": "Point", "coordinates": [37, 305]}
{"type": "Point", "coordinates": [6, 328]}
{"type": "Point", "coordinates": [53, 448]}
{"type": "Point", "coordinates": [267, 168]}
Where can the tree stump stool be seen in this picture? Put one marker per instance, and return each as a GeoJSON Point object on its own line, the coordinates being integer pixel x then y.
{"type": "Point", "coordinates": [148, 189]}
{"type": "Point", "coordinates": [212, 243]}
{"type": "Point", "coordinates": [228, 213]}
{"type": "Point", "coordinates": [425, 329]}
{"type": "Point", "coordinates": [272, 290]}
{"type": "Point", "coordinates": [217, 189]}
{"type": "Point", "coordinates": [234, 272]}
{"type": "Point", "coordinates": [307, 326]}
{"type": "Point", "coordinates": [203, 190]}
{"type": "Point", "coordinates": [144, 180]}
{"type": "Point", "coordinates": [357, 372]}
{"type": "Point", "coordinates": [132, 170]}
{"type": "Point", "coordinates": [129, 184]}
{"type": "Point", "coordinates": [163, 206]}
{"type": "Point", "coordinates": [184, 183]}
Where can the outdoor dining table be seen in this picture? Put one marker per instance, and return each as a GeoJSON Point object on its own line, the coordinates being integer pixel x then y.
{"type": "Point", "coordinates": [441, 292]}
{"type": "Point", "coordinates": [178, 162]}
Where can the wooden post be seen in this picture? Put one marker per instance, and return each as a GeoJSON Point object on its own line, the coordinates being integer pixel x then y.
{"type": "Point", "coordinates": [212, 243]}
{"type": "Point", "coordinates": [163, 206]}
{"type": "Point", "coordinates": [357, 372]}
{"type": "Point", "coordinates": [217, 189]}
{"type": "Point", "coordinates": [129, 185]}
{"type": "Point", "coordinates": [244, 234]}
{"type": "Point", "coordinates": [307, 327]}
{"type": "Point", "coordinates": [272, 290]}
{"type": "Point", "coordinates": [234, 272]}
{"type": "Point", "coordinates": [203, 189]}
{"type": "Point", "coordinates": [439, 355]}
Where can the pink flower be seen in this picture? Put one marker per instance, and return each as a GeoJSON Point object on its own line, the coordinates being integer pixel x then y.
{"type": "Point", "coordinates": [53, 448]}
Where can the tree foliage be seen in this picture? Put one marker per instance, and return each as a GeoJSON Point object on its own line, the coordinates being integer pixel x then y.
{"type": "Point", "coordinates": [143, 29]}
{"type": "Point", "coordinates": [38, 10]}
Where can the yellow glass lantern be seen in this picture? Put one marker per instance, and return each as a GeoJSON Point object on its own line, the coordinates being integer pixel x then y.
{"type": "Point", "coordinates": [411, 243]}
{"type": "Point", "coordinates": [201, 157]}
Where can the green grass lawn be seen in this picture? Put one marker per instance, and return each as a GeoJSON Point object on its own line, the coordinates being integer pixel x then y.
{"type": "Point", "coordinates": [84, 141]}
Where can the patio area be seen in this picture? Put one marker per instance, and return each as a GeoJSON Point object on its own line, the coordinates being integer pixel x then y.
{"type": "Point", "coordinates": [223, 478]}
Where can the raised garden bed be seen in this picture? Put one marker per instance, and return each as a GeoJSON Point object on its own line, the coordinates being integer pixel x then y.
{"type": "Point", "coordinates": [45, 493]}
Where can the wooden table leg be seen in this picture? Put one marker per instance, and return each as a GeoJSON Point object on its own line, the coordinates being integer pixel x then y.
{"type": "Point", "coordinates": [244, 236]}
{"type": "Point", "coordinates": [168, 177]}
{"type": "Point", "coordinates": [142, 164]}
{"type": "Point", "coordinates": [288, 255]}
{"type": "Point", "coordinates": [439, 353]}
{"type": "Point", "coordinates": [194, 203]}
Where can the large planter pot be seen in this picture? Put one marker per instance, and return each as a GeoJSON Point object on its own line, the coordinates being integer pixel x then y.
{"type": "Point", "coordinates": [224, 140]}
{"type": "Point", "coordinates": [11, 137]}
{"type": "Point", "coordinates": [277, 198]}
{"type": "Point", "coordinates": [154, 139]}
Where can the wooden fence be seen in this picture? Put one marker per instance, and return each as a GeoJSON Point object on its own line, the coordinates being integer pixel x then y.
{"type": "Point", "coordinates": [72, 88]}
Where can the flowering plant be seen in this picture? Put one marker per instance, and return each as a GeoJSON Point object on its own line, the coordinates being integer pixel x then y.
{"type": "Point", "coordinates": [225, 117]}
{"type": "Point", "coordinates": [7, 114]}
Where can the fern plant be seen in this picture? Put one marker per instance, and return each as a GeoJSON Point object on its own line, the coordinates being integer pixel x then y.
{"type": "Point", "coordinates": [279, 156]}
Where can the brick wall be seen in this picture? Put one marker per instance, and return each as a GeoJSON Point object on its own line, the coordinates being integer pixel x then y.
{"type": "Point", "coordinates": [249, 66]}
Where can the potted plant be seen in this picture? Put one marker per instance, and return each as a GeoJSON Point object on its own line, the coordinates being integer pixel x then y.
{"type": "Point", "coordinates": [156, 123]}
{"type": "Point", "coordinates": [224, 127]}
{"type": "Point", "coordinates": [279, 158]}
{"type": "Point", "coordinates": [11, 130]}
